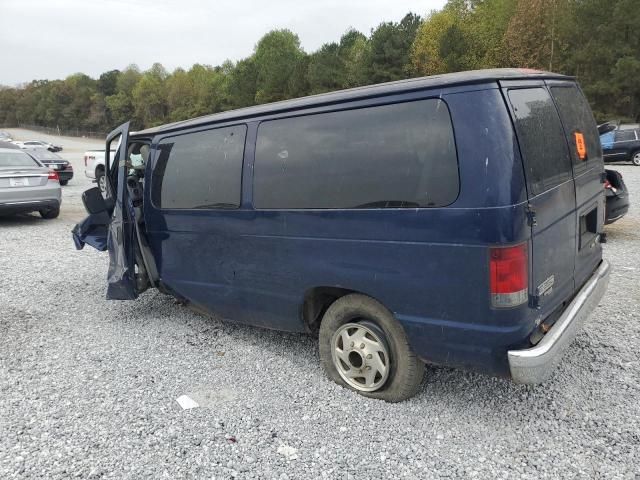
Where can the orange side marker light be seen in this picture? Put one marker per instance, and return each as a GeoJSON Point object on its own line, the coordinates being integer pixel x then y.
{"type": "Point", "coordinates": [581, 146]}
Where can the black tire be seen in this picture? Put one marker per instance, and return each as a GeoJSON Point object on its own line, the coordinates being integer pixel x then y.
{"type": "Point", "coordinates": [64, 182]}
{"type": "Point", "coordinates": [100, 180]}
{"type": "Point", "coordinates": [50, 213]}
{"type": "Point", "coordinates": [406, 369]}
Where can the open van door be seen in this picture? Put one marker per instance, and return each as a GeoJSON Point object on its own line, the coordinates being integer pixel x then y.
{"type": "Point", "coordinates": [111, 223]}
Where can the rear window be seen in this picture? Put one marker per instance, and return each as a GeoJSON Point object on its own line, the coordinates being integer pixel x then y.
{"type": "Point", "coordinates": [391, 156]}
{"type": "Point", "coordinates": [16, 159]}
{"type": "Point", "coordinates": [577, 118]}
{"type": "Point", "coordinates": [200, 170]}
{"type": "Point", "coordinates": [541, 138]}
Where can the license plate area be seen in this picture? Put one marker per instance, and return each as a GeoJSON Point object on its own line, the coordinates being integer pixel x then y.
{"type": "Point", "coordinates": [588, 227]}
{"type": "Point", "coordinates": [19, 182]}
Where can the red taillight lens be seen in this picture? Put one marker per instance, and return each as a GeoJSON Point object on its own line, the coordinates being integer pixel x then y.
{"type": "Point", "coordinates": [509, 275]}
{"type": "Point", "coordinates": [54, 176]}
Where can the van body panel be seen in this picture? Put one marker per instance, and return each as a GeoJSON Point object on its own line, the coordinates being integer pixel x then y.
{"type": "Point", "coordinates": [429, 266]}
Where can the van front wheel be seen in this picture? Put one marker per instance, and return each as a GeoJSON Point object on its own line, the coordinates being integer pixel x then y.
{"type": "Point", "coordinates": [364, 348]}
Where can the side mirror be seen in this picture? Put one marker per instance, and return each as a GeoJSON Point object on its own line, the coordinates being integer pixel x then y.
{"type": "Point", "coordinates": [94, 201]}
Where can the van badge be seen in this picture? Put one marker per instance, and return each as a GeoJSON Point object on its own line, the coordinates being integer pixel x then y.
{"type": "Point", "coordinates": [546, 287]}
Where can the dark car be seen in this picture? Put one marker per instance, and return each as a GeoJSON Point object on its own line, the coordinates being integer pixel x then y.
{"type": "Point", "coordinates": [454, 220]}
{"type": "Point", "coordinates": [620, 143]}
{"type": "Point", "coordinates": [55, 162]}
{"type": "Point", "coordinates": [617, 196]}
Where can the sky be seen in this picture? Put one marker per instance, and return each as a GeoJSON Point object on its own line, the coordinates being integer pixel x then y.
{"type": "Point", "coordinates": [51, 39]}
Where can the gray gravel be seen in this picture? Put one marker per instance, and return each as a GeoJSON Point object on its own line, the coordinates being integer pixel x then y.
{"type": "Point", "coordinates": [88, 387]}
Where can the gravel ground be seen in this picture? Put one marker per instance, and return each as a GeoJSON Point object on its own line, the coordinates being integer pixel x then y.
{"type": "Point", "coordinates": [88, 388]}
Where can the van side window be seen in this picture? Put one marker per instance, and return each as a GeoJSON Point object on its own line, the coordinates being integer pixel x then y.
{"type": "Point", "coordinates": [200, 170]}
{"type": "Point", "coordinates": [392, 156]}
{"type": "Point", "coordinates": [541, 138]}
{"type": "Point", "coordinates": [576, 117]}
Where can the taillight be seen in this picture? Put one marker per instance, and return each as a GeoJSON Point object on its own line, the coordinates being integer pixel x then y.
{"type": "Point", "coordinates": [85, 160]}
{"type": "Point", "coordinates": [509, 275]}
{"type": "Point", "coordinates": [54, 176]}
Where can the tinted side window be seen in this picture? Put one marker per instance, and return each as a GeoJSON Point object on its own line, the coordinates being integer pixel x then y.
{"type": "Point", "coordinates": [391, 156]}
{"type": "Point", "coordinates": [625, 135]}
{"type": "Point", "coordinates": [577, 118]}
{"type": "Point", "coordinates": [200, 170]}
{"type": "Point", "coordinates": [541, 138]}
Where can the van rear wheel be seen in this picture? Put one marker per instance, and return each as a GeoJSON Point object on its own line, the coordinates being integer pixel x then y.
{"type": "Point", "coordinates": [364, 348]}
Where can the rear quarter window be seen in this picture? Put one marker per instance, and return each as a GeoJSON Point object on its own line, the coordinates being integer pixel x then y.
{"type": "Point", "coordinates": [391, 156]}
{"type": "Point", "coordinates": [541, 138]}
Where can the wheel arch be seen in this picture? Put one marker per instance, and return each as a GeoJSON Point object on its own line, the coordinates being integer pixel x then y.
{"type": "Point", "coordinates": [318, 299]}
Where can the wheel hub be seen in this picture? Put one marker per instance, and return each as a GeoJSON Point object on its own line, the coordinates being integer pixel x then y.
{"type": "Point", "coordinates": [361, 356]}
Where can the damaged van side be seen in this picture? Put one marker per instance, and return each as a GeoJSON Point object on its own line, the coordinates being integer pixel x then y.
{"type": "Point", "coordinates": [453, 220]}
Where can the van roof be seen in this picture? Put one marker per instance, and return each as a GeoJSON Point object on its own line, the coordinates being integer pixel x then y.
{"type": "Point", "coordinates": [447, 79]}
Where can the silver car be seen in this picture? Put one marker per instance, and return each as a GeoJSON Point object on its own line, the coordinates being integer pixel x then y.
{"type": "Point", "coordinates": [27, 186]}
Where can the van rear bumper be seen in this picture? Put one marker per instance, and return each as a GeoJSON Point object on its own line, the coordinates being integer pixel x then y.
{"type": "Point", "coordinates": [535, 365]}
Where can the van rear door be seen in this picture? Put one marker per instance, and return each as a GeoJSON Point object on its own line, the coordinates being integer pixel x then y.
{"type": "Point", "coordinates": [551, 206]}
{"type": "Point", "coordinates": [582, 137]}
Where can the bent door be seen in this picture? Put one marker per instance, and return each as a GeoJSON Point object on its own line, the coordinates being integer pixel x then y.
{"type": "Point", "coordinates": [113, 228]}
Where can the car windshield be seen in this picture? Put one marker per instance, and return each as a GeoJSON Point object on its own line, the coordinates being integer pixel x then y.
{"type": "Point", "coordinates": [16, 159]}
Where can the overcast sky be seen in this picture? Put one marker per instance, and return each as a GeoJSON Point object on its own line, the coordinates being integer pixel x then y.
{"type": "Point", "coordinates": [48, 39]}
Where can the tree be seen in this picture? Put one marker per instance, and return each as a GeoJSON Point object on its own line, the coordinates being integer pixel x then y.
{"type": "Point", "coordinates": [243, 83]}
{"type": "Point", "coordinates": [149, 96]}
{"type": "Point", "coordinates": [353, 52]}
{"type": "Point", "coordinates": [277, 58]}
{"type": "Point", "coordinates": [108, 82]}
{"type": "Point", "coordinates": [388, 56]}
{"type": "Point", "coordinates": [326, 70]}
{"type": "Point", "coordinates": [425, 51]}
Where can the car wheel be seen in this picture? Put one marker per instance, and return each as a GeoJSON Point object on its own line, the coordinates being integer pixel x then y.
{"type": "Point", "coordinates": [50, 213]}
{"type": "Point", "coordinates": [64, 182]}
{"type": "Point", "coordinates": [635, 159]}
{"type": "Point", "coordinates": [101, 181]}
{"type": "Point", "coordinates": [364, 348]}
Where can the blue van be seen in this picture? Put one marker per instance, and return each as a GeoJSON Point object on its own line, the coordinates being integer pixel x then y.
{"type": "Point", "coordinates": [452, 220]}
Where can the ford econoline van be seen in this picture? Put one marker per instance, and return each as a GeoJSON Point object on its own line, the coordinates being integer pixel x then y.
{"type": "Point", "coordinates": [453, 220]}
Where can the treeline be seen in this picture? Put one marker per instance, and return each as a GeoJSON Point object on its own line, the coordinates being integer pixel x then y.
{"type": "Point", "coordinates": [596, 40]}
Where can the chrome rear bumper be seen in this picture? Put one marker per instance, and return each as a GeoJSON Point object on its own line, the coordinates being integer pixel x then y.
{"type": "Point", "coordinates": [535, 365]}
